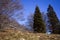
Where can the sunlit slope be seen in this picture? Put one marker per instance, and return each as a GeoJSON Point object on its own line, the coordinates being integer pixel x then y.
{"type": "Point", "coordinates": [12, 34]}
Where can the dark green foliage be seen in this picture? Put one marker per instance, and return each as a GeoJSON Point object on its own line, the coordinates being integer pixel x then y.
{"type": "Point", "coordinates": [52, 18]}
{"type": "Point", "coordinates": [38, 24]}
{"type": "Point", "coordinates": [57, 29]}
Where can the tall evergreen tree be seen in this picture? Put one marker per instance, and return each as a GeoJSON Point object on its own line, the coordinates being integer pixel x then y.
{"type": "Point", "coordinates": [38, 25]}
{"type": "Point", "coordinates": [53, 20]}
{"type": "Point", "coordinates": [57, 29]}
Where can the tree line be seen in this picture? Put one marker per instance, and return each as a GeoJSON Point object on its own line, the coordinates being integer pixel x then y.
{"type": "Point", "coordinates": [7, 7]}
{"type": "Point", "coordinates": [39, 26]}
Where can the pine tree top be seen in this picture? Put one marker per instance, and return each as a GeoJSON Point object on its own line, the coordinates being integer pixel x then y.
{"type": "Point", "coordinates": [50, 8]}
{"type": "Point", "coordinates": [37, 9]}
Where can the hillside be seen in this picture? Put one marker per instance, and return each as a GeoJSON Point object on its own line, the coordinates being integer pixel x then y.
{"type": "Point", "coordinates": [11, 30]}
{"type": "Point", "coordinates": [6, 23]}
{"type": "Point", "coordinates": [12, 34]}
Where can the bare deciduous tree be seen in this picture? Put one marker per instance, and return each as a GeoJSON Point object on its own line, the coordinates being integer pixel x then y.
{"type": "Point", "coordinates": [9, 6]}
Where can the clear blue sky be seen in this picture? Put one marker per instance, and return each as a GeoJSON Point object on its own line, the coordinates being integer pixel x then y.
{"type": "Point", "coordinates": [29, 6]}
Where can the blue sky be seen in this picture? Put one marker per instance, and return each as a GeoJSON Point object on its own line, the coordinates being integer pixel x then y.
{"type": "Point", "coordinates": [29, 6]}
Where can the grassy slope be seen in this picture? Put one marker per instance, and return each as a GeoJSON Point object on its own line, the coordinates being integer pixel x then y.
{"type": "Point", "coordinates": [12, 34]}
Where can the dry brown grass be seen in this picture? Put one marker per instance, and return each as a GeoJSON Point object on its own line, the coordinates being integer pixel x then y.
{"type": "Point", "coordinates": [12, 34]}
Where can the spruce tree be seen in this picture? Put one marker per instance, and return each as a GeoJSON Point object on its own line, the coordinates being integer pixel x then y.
{"type": "Point", "coordinates": [53, 20]}
{"type": "Point", "coordinates": [38, 25]}
{"type": "Point", "coordinates": [57, 29]}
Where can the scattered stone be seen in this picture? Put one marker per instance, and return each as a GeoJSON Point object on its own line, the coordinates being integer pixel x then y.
{"type": "Point", "coordinates": [22, 39]}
